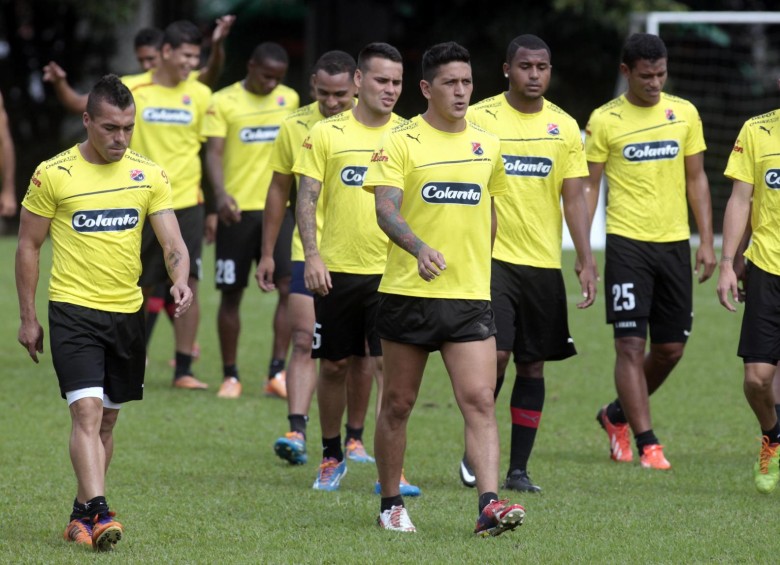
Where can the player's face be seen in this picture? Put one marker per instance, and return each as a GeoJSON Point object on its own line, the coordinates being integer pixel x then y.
{"type": "Point", "coordinates": [645, 81]}
{"type": "Point", "coordinates": [334, 93]}
{"type": "Point", "coordinates": [450, 91]}
{"type": "Point", "coordinates": [109, 131]}
{"type": "Point", "coordinates": [379, 86]}
{"type": "Point", "coordinates": [180, 62]}
{"type": "Point", "coordinates": [263, 77]}
{"type": "Point", "coordinates": [148, 57]}
{"type": "Point", "coordinates": [529, 73]}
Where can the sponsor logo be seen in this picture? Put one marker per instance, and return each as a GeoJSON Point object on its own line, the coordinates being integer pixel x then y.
{"type": "Point", "coordinates": [651, 150]}
{"type": "Point", "coordinates": [307, 143]}
{"type": "Point", "coordinates": [452, 193]}
{"type": "Point", "coordinates": [772, 178]}
{"type": "Point", "coordinates": [737, 147]}
{"type": "Point", "coordinates": [35, 180]}
{"type": "Point", "coordinates": [476, 148]}
{"type": "Point", "coordinates": [631, 324]}
{"type": "Point", "coordinates": [552, 129]}
{"type": "Point", "coordinates": [379, 156]}
{"type": "Point", "coordinates": [768, 131]}
{"type": "Point", "coordinates": [280, 101]}
{"type": "Point", "coordinates": [186, 100]}
{"type": "Point", "coordinates": [167, 116]}
{"type": "Point", "coordinates": [340, 128]}
{"type": "Point", "coordinates": [353, 176]}
{"type": "Point", "coordinates": [494, 114]}
{"type": "Point", "coordinates": [415, 137]}
{"type": "Point", "coordinates": [67, 170]}
{"type": "Point", "coordinates": [258, 134]}
{"type": "Point", "coordinates": [670, 115]}
{"type": "Point", "coordinates": [117, 219]}
{"type": "Point", "coordinates": [527, 166]}
{"type": "Point", "coordinates": [137, 175]}
{"type": "Point", "coordinates": [618, 114]}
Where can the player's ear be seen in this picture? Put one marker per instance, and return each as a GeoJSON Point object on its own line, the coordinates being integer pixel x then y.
{"type": "Point", "coordinates": [357, 78]}
{"type": "Point", "coordinates": [505, 68]}
{"type": "Point", "coordinates": [425, 87]}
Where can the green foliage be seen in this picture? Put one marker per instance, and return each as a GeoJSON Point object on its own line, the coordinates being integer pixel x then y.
{"type": "Point", "coordinates": [616, 13]}
{"type": "Point", "coordinates": [194, 478]}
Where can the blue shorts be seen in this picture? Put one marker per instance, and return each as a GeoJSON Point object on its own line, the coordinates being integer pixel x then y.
{"type": "Point", "coordinates": [297, 284]}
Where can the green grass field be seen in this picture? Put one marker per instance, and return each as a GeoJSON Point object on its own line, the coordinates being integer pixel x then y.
{"type": "Point", "coordinates": [194, 479]}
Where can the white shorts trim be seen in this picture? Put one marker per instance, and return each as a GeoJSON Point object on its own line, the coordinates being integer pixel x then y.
{"type": "Point", "coordinates": [91, 392]}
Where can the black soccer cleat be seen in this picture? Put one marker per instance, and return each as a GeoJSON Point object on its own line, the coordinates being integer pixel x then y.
{"type": "Point", "coordinates": [520, 481]}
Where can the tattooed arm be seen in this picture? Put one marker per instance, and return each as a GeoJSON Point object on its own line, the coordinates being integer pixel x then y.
{"type": "Point", "coordinates": [388, 200]}
{"type": "Point", "coordinates": [315, 273]}
{"type": "Point", "coordinates": [177, 259]}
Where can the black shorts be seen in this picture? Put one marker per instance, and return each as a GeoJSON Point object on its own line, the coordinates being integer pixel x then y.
{"type": "Point", "coordinates": [759, 338]}
{"type": "Point", "coordinates": [191, 226]}
{"type": "Point", "coordinates": [297, 283]}
{"type": "Point", "coordinates": [649, 283]}
{"type": "Point", "coordinates": [345, 318]}
{"type": "Point", "coordinates": [94, 348]}
{"type": "Point", "coordinates": [531, 315]}
{"type": "Point", "coordinates": [238, 248]}
{"type": "Point", "coordinates": [431, 322]}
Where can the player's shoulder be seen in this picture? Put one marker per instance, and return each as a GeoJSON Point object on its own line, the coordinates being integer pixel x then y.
{"type": "Point", "coordinates": [67, 156]}
{"type": "Point", "coordinates": [397, 121]}
{"type": "Point", "coordinates": [282, 91]}
{"type": "Point", "coordinates": [558, 112]}
{"type": "Point", "coordinates": [613, 106]}
{"type": "Point", "coordinates": [490, 103]}
{"type": "Point", "coordinates": [140, 160]}
{"type": "Point", "coordinates": [198, 88]}
{"type": "Point", "coordinates": [230, 92]}
{"type": "Point", "coordinates": [140, 80]}
{"type": "Point", "coordinates": [338, 119]}
{"type": "Point", "coordinates": [404, 125]}
{"type": "Point", "coordinates": [672, 99]}
{"type": "Point", "coordinates": [756, 122]}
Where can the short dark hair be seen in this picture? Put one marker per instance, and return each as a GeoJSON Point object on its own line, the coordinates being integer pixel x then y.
{"type": "Point", "coordinates": [335, 63]}
{"type": "Point", "coordinates": [180, 32]}
{"type": "Point", "coordinates": [111, 90]}
{"type": "Point", "coordinates": [270, 51]}
{"type": "Point", "coordinates": [528, 41]}
{"type": "Point", "coordinates": [148, 37]}
{"type": "Point", "coordinates": [380, 50]}
{"type": "Point", "coordinates": [643, 46]}
{"type": "Point", "coordinates": [441, 54]}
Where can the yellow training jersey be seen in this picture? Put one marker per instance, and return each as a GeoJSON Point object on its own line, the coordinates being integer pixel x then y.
{"type": "Point", "coordinates": [295, 128]}
{"type": "Point", "coordinates": [249, 123]}
{"type": "Point", "coordinates": [448, 180]}
{"type": "Point", "coordinates": [97, 212]}
{"type": "Point", "coordinates": [539, 151]}
{"type": "Point", "coordinates": [644, 151]}
{"type": "Point", "coordinates": [337, 154]}
{"type": "Point", "coordinates": [755, 159]}
{"type": "Point", "coordinates": [167, 129]}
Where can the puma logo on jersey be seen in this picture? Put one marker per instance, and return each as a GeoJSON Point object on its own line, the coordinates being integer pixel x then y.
{"type": "Point", "coordinates": [768, 131]}
{"type": "Point", "coordinates": [494, 114]}
{"type": "Point", "coordinates": [618, 114]}
{"type": "Point", "coordinates": [415, 137]}
{"type": "Point", "coordinates": [341, 129]}
{"type": "Point", "coordinates": [60, 167]}
{"type": "Point", "coordinates": [304, 124]}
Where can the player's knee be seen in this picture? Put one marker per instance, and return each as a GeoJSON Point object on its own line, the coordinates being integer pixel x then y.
{"type": "Point", "coordinates": [397, 406]}
{"type": "Point", "coordinates": [301, 342]}
{"type": "Point", "coordinates": [756, 380]}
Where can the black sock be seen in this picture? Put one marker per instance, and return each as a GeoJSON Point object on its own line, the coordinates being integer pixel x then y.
{"type": "Point", "coordinates": [230, 371]}
{"type": "Point", "coordinates": [390, 501]}
{"type": "Point", "coordinates": [644, 439]}
{"type": "Point", "coordinates": [353, 433]}
{"type": "Point", "coordinates": [183, 365]}
{"type": "Point", "coordinates": [79, 510]}
{"type": "Point", "coordinates": [499, 384]}
{"type": "Point", "coordinates": [526, 406]}
{"type": "Point", "coordinates": [615, 413]}
{"type": "Point", "coordinates": [276, 366]}
{"type": "Point", "coordinates": [773, 434]}
{"type": "Point", "coordinates": [485, 499]}
{"type": "Point", "coordinates": [298, 423]}
{"type": "Point", "coordinates": [331, 447]}
{"type": "Point", "coordinates": [97, 506]}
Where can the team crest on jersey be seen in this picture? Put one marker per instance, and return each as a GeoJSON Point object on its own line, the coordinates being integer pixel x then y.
{"type": "Point", "coordinates": [186, 100]}
{"type": "Point", "coordinates": [552, 129]}
{"type": "Point", "coordinates": [280, 101]}
{"type": "Point", "coordinates": [137, 175]}
{"type": "Point", "coordinates": [670, 115]}
{"type": "Point", "coordinates": [476, 148]}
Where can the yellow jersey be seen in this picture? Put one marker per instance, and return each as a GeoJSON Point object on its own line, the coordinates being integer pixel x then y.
{"type": "Point", "coordinates": [755, 159]}
{"type": "Point", "coordinates": [337, 154]}
{"type": "Point", "coordinates": [539, 151]}
{"type": "Point", "coordinates": [167, 129]}
{"type": "Point", "coordinates": [249, 124]}
{"type": "Point", "coordinates": [644, 151]}
{"type": "Point", "coordinates": [97, 212]}
{"type": "Point", "coordinates": [448, 180]}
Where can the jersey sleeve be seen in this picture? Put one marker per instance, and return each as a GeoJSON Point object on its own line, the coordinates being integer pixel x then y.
{"type": "Point", "coordinates": [312, 157]}
{"type": "Point", "coordinates": [388, 165]}
{"type": "Point", "coordinates": [740, 164]}
{"type": "Point", "coordinates": [282, 154]}
{"type": "Point", "coordinates": [40, 198]}
{"type": "Point", "coordinates": [576, 164]}
{"type": "Point", "coordinates": [596, 145]}
{"type": "Point", "coordinates": [214, 122]}
{"type": "Point", "coordinates": [162, 196]}
{"type": "Point", "coordinates": [498, 183]}
{"type": "Point", "coordinates": [695, 142]}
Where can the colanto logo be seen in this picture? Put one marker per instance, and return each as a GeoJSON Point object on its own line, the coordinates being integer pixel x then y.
{"type": "Point", "coordinates": [772, 178]}
{"type": "Point", "coordinates": [117, 219]}
{"type": "Point", "coordinates": [167, 116]}
{"type": "Point", "coordinates": [527, 166]}
{"type": "Point", "coordinates": [651, 150]}
{"type": "Point", "coordinates": [353, 176]}
{"type": "Point", "coordinates": [261, 134]}
{"type": "Point", "coordinates": [452, 193]}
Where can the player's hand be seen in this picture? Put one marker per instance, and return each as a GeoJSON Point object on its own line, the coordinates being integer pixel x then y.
{"type": "Point", "coordinates": [8, 202]}
{"type": "Point", "coordinates": [53, 73]}
{"type": "Point", "coordinates": [227, 207]}
{"type": "Point", "coordinates": [727, 286]}
{"type": "Point", "coordinates": [182, 298]}
{"type": "Point", "coordinates": [31, 338]}
{"type": "Point", "coordinates": [588, 278]}
{"type": "Point", "coordinates": [578, 267]}
{"type": "Point", "coordinates": [316, 275]}
{"type": "Point", "coordinates": [705, 262]}
{"type": "Point", "coordinates": [430, 263]}
{"type": "Point", "coordinates": [210, 228]}
{"type": "Point", "coordinates": [222, 30]}
{"type": "Point", "coordinates": [265, 273]}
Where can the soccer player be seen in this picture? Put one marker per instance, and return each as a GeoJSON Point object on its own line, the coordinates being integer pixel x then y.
{"type": "Point", "coordinates": [170, 110]}
{"type": "Point", "coordinates": [241, 125]}
{"type": "Point", "coordinates": [334, 89]}
{"type": "Point", "coordinates": [544, 161]}
{"type": "Point", "coordinates": [754, 166]}
{"type": "Point", "coordinates": [434, 180]}
{"type": "Point", "coordinates": [344, 279]}
{"type": "Point", "coordinates": [652, 147]}
{"type": "Point", "coordinates": [93, 200]}
{"type": "Point", "coordinates": [7, 166]}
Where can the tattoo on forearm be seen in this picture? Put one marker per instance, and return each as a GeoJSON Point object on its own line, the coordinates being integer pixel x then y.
{"type": "Point", "coordinates": [388, 214]}
{"type": "Point", "coordinates": [306, 214]}
{"type": "Point", "coordinates": [172, 261]}
{"type": "Point", "coordinates": [161, 212]}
